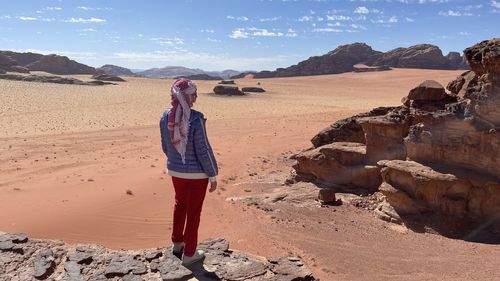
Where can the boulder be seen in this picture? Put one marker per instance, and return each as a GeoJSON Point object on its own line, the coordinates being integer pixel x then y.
{"type": "Point", "coordinates": [338, 163]}
{"type": "Point", "coordinates": [327, 195]}
{"type": "Point", "coordinates": [429, 90]}
{"type": "Point", "coordinates": [107, 77]}
{"type": "Point", "coordinates": [228, 90]}
{"type": "Point", "coordinates": [463, 82]}
{"type": "Point", "coordinates": [227, 82]}
{"type": "Point", "coordinates": [252, 90]}
{"type": "Point", "coordinates": [484, 58]}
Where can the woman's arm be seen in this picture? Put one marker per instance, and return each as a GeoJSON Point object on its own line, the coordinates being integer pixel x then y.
{"type": "Point", "coordinates": [203, 149]}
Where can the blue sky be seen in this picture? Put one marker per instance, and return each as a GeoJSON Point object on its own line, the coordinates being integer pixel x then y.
{"type": "Point", "coordinates": [233, 34]}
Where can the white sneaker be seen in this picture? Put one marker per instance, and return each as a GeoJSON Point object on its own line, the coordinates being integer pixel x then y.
{"type": "Point", "coordinates": [177, 248]}
{"type": "Point", "coordinates": [198, 255]}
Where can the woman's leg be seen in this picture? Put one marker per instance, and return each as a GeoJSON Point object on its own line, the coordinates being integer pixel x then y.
{"type": "Point", "coordinates": [180, 209]}
{"type": "Point", "coordinates": [195, 197]}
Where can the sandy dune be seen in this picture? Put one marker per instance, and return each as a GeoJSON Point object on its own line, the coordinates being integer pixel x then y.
{"type": "Point", "coordinates": [69, 154]}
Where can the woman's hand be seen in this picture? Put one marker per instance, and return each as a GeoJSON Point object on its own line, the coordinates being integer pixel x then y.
{"type": "Point", "coordinates": [213, 186]}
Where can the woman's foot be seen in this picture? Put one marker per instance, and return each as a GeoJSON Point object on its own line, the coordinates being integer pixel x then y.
{"type": "Point", "coordinates": [198, 256]}
{"type": "Point", "coordinates": [177, 248]}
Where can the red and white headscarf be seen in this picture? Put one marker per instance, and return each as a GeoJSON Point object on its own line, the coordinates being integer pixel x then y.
{"type": "Point", "coordinates": [178, 118]}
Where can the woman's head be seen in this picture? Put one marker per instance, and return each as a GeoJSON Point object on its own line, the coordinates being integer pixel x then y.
{"type": "Point", "coordinates": [183, 89]}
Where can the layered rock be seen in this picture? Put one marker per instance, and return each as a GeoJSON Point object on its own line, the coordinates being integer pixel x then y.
{"type": "Point", "coordinates": [202, 76]}
{"type": "Point", "coordinates": [22, 258]}
{"type": "Point", "coordinates": [345, 58]}
{"type": "Point", "coordinates": [437, 154]}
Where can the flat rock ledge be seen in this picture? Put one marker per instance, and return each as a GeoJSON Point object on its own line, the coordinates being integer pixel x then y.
{"type": "Point", "coordinates": [22, 258]}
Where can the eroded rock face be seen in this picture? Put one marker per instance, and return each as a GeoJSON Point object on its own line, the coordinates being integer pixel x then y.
{"type": "Point", "coordinates": [60, 65]}
{"type": "Point", "coordinates": [25, 259]}
{"type": "Point", "coordinates": [441, 150]}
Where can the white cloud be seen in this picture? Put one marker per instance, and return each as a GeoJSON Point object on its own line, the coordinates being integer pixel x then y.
{"type": "Point", "coordinates": [213, 40]}
{"type": "Point", "coordinates": [358, 26]}
{"type": "Point", "coordinates": [451, 13]}
{"type": "Point", "coordinates": [495, 4]}
{"type": "Point", "coordinates": [207, 31]}
{"type": "Point", "coordinates": [52, 8]}
{"type": "Point", "coordinates": [409, 19]}
{"type": "Point", "coordinates": [338, 17]}
{"type": "Point", "coordinates": [269, 19]}
{"type": "Point", "coordinates": [239, 33]}
{"type": "Point", "coordinates": [328, 29]}
{"type": "Point", "coordinates": [92, 8]}
{"type": "Point", "coordinates": [334, 23]}
{"type": "Point", "coordinates": [243, 18]}
{"type": "Point", "coordinates": [27, 18]}
{"type": "Point", "coordinates": [291, 33]}
{"type": "Point", "coordinates": [392, 19]}
{"type": "Point", "coordinates": [306, 18]}
{"type": "Point", "coordinates": [82, 20]}
{"type": "Point", "coordinates": [176, 41]}
{"type": "Point", "coordinates": [464, 33]}
{"type": "Point", "coordinates": [361, 10]}
{"type": "Point", "coordinates": [89, 30]}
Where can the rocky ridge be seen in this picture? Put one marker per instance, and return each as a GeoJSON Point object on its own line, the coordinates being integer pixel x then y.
{"type": "Point", "coordinates": [22, 258]}
{"type": "Point", "coordinates": [55, 64]}
{"type": "Point", "coordinates": [115, 70]}
{"type": "Point", "coordinates": [437, 155]}
{"type": "Point", "coordinates": [345, 57]}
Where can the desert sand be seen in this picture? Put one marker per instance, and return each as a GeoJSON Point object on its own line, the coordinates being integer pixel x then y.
{"type": "Point", "coordinates": [70, 154]}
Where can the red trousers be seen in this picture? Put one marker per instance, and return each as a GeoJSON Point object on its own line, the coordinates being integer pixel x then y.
{"type": "Point", "coordinates": [189, 196]}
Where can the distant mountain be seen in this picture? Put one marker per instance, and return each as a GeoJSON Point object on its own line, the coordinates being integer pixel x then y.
{"type": "Point", "coordinates": [200, 77]}
{"type": "Point", "coordinates": [115, 70]}
{"type": "Point", "coordinates": [49, 63]}
{"type": "Point", "coordinates": [176, 71]}
{"type": "Point", "coordinates": [343, 59]}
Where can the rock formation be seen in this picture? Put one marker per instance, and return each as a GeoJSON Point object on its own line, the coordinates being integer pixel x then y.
{"type": "Point", "coordinates": [227, 82]}
{"type": "Point", "coordinates": [22, 258]}
{"type": "Point", "coordinates": [115, 70]}
{"type": "Point", "coordinates": [438, 153]}
{"type": "Point", "coordinates": [25, 62]}
{"type": "Point", "coordinates": [228, 90]}
{"type": "Point", "coordinates": [107, 77]}
{"type": "Point", "coordinates": [253, 90]}
{"type": "Point", "coordinates": [52, 79]}
{"type": "Point", "coordinates": [345, 57]}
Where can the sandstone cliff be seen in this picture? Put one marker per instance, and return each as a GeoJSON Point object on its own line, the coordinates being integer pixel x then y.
{"type": "Point", "coordinates": [437, 154]}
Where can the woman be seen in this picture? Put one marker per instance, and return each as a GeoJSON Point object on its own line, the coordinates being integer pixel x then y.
{"type": "Point", "coordinates": [191, 163]}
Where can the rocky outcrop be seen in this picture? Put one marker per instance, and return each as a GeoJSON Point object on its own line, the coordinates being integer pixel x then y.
{"type": "Point", "coordinates": [227, 90]}
{"type": "Point", "coordinates": [438, 154]}
{"type": "Point", "coordinates": [115, 70]}
{"type": "Point", "coordinates": [55, 64]}
{"type": "Point", "coordinates": [107, 77]}
{"type": "Point", "coordinates": [345, 58]}
{"type": "Point", "coordinates": [22, 258]}
{"type": "Point", "coordinates": [253, 90]}
{"type": "Point", "coordinates": [227, 82]}
{"type": "Point", "coordinates": [52, 79]}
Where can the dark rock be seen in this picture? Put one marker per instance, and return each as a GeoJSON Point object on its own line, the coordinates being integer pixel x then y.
{"type": "Point", "coordinates": [107, 77]}
{"type": "Point", "coordinates": [289, 268]}
{"type": "Point", "coordinates": [424, 56]}
{"type": "Point", "coordinates": [81, 256]}
{"type": "Point", "coordinates": [132, 277]}
{"type": "Point", "coordinates": [228, 90]}
{"type": "Point", "coordinates": [484, 58]}
{"type": "Point", "coordinates": [153, 254]}
{"type": "Point", "coordinates": [52, 79]}
{"type": "Point", "coordinates": [73, 271]}
{"type": "Point", "coordinates": [253, 89]}
{"type": "Point", "coordinates": [171, 269]}
{"type": "Point", "coordinates": [44, 264]}
{"type": "Point", "coordinates": [327, 195]}
{"type": "Point", "coordinates": [22, 59]}
{"type": "Point", "coordinates": [122, 264]}
{"type": "Point", "coordinates": [227, 82]}
{"type": "Point", "coordinates": [429, 90]}
{"type": "Point", "coordinates": [2, 71]}
{"type": "Point", "coordinates": [372, 68]}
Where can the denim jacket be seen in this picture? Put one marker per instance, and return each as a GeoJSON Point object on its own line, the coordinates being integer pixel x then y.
{"type": "Point", "coordinates": [199, 156]}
